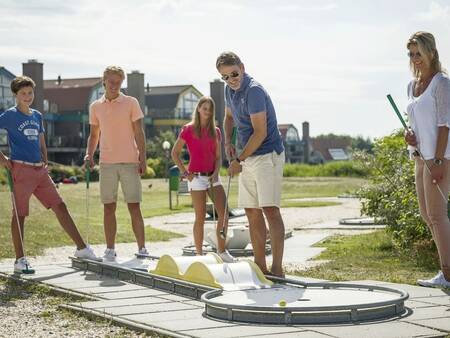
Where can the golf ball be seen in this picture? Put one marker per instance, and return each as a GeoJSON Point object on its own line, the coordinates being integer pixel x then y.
{"type": "Point", "coordinates": [282, 303]}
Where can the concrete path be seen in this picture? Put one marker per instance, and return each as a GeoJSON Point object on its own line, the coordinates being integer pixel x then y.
{"type": "Point", "coordinates": [158, 311]}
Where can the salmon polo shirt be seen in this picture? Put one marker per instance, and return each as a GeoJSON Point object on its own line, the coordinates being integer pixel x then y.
{"type": "Point", "coordinates": [115, 119]}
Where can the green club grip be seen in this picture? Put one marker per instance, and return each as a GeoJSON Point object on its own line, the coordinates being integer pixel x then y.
{"type": "Point", "coordinates": [10, 180]}
{"type": "Point", "coordinates": [233, 136]}
{"type": "Point", "coordinates": [87, 175]}
{"type": "Point", "coordinates": [394, 106]}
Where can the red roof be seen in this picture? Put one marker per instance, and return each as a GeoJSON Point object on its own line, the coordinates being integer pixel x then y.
{"type": "Point", "coordinates": [72, 83]}
{"type": "Point", "coordinates": [322, 146]}
{"type": "Point", "coordinates": [71, 94]}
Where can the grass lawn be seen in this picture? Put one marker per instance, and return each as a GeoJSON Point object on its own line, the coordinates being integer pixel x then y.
{"type": "Point", "coordinates": [42, 229]}
{"type": "Point", "coordinates": [367, 256]}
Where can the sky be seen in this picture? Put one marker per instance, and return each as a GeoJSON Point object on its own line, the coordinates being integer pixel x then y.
{"type": "Point", "coordinates": [327, 62]}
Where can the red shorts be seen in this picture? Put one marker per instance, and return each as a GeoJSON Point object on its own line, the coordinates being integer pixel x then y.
{"type": "Point", "coordinates": [29, 180]}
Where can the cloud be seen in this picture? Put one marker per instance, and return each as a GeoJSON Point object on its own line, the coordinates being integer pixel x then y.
{"type": "Point", "coordinates": [435, 12]}
{"type": "Point", "coordinates": [307, 8]}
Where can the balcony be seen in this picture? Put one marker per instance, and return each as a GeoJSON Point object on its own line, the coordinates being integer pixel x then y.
{"type": "Point", "coordinates": [65, 143]}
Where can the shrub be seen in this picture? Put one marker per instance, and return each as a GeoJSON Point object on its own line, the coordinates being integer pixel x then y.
{"type": "Point", "coordinates": [391, 195]}
{"type": "Point", "coordinates": [158, 167]}
{"type": "Point", "coordinates": [3, 179]}
{"type": "Point", "coordinates": [149, 173]}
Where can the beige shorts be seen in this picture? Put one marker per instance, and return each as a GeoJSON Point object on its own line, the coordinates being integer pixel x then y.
{"type": "Point", "coordinates": [128, 176]}
{"type": "Point", "coordinates": [260, 181]}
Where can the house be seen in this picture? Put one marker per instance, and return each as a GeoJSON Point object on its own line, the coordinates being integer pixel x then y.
{"type": "Point", "coordinates": [66, 115]}
{"type": "Point", "coordinates": [332, 147]}
{"type": "Point", "coordinates": [294, 147]}
{"type": "Point", "coordinates": [170, 107]}
{"type": "Point", "coordinates": [6, 101]}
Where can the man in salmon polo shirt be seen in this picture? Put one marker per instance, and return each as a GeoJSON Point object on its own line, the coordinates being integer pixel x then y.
{"type": "Point", "coordinates": [116, 121]}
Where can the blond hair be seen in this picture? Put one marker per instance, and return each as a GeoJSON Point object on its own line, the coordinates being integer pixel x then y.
{"type": "Point", "coordinates": [211, 127]}
{"type": "Point", "coordinates": [426, 45]}
{"type": "Point", "coordinates": [113, 70]}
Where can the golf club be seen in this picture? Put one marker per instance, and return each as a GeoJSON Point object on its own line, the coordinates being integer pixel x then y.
{"type": "Point", "coordinates": [417, 151]}
{"type": "Point", "coordinates": [27, 269]}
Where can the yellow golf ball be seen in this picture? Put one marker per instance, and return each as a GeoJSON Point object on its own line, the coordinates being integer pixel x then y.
{"type": "Point", "coordinates": [282, 303]}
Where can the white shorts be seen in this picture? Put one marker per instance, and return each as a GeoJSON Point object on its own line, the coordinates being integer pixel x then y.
{"type": "Point", "coordinates": [201, 183]}
{"type": "Point", "coordinates": [260, 181]}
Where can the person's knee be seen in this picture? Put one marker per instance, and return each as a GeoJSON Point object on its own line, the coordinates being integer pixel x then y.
{"type": "Point", "coordinates": [253, 212]}
{"type": "Point", "coordinates": [272, 212]}
{"type": "Point", "coordinates": [435, 219]}
{"type": "Point", "coordinates": [109, 208]}
{"type": "Point", "coordinates": [134, 206]}
{"type": "Point", "coordinates": [60, 207]}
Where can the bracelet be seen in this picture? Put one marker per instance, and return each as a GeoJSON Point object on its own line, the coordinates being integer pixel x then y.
{"type": "Point", "coordinates": [185, 174]}
{"type": "Point", "coordinates": [238, 160]}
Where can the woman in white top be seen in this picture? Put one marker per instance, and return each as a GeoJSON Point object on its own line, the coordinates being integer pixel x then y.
{"type": "Point", "coordinates": [429, 115]}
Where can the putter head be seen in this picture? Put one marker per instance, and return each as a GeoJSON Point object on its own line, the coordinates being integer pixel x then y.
{"type": "Point", "coordinates": [26, 271]}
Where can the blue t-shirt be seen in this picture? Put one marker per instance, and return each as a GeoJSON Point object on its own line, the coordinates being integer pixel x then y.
{"type": "Point", "coordinates": [23, 134]}
{"type": "Point", "coordinates": [249, 99]}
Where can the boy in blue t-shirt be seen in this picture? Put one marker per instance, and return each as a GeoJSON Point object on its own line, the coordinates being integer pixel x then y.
{"type": "Point", "coordinates": [28, 167]}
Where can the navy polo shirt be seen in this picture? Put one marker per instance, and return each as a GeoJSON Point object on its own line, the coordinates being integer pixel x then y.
{"type": "Point", "coordinates": [249, 99]}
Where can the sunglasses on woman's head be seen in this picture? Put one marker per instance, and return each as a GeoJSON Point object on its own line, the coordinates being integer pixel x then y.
{"type": "Point", "coordinates": [232, 75]}
{"type": "Point", "coordinates": [412, 55]}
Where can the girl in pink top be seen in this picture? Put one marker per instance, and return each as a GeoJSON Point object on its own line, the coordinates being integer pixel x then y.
{"type": "Point", "coordinates": [202, 139]}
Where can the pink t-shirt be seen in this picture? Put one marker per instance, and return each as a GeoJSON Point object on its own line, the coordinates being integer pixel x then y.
{"type": "Point", "coordinates": [202, 150]}
{"type": "Point", "coordinates": [115, 119]}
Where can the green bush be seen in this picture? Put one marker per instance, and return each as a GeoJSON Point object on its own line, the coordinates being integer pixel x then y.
{"type": "Point", "coordinates": [158, 167]}
{"type": "Point", "coordinates": [149, 173]}
{"type": "Point", "coordinates": [391, 195]}
{"type": "Point", "coordinates": [3, 179]}
{"type": "Point", "coordinates": [329, 169]}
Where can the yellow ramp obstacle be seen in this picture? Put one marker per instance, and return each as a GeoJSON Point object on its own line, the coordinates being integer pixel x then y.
{"type": "Point", "coordinates": [227, 276]}
{"type": "Point", "coordinates": [175, 267]}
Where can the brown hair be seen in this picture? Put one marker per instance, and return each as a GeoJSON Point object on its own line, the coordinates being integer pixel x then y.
{"type": "Point", "coordinates": [113, 70]}
{"type": "Point", "coordinates": [426, 45]}
{"type": "Point", "coordinates": [21, 82]}
{"type": "Point", "coordinates": [196, 117]}
{"type": "Point", "coordinates": [228, 59]}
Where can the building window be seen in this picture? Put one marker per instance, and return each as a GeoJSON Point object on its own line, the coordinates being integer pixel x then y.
{"type": "Point", "coordinates": [292, 135]}
{"type": "Point", "coordinates": [188, 103]}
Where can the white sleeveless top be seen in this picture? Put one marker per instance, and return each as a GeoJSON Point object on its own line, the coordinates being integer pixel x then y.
{"type": "Point", "coordinates": [429, 111]}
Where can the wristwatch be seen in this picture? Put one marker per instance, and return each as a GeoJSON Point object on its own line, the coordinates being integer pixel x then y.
{"type": "Point", "coordinates": [238, 160]}
{"type": "Point", "coordinates": [437, 161]}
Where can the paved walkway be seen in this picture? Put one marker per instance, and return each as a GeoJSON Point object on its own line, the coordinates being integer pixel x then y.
{"type": "Point", "coordinates": [154, 310]}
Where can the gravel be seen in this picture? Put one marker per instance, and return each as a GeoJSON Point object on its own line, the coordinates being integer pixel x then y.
{"type": "Point", "coordinates": [31, 312]}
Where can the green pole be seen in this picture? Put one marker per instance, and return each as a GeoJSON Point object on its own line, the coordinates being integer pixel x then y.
{"type": "Point", "coordinates": [10, 180]}
{"type": "Point", "coordinates": [394, 106]}
{"type": "Point", "coordinates": [87, 175]}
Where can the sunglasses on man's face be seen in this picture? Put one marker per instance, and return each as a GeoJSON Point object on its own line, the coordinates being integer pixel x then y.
{"type": "Point", "coordinates": [412, 55]}
{"type": "Point", "coordinates": [232, 75]}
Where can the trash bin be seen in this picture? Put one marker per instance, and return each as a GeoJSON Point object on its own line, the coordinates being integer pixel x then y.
{"type": "Point", "coordinates": [174, 178]}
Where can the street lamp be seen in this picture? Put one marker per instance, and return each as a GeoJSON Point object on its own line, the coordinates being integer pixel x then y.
{"type": "Point", "coordinates": [166, 148]}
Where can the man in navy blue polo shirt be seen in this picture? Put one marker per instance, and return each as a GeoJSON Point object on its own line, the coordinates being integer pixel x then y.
{"type": "Point", "coordinates": [250, 109]}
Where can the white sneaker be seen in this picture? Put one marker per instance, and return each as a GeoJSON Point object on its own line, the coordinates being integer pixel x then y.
{"type": "Point", "coordinates": [87, 253]}
{"type": "Point", "coordinates": [110, 255]}
{"type": "Point", "coordinates": [226, 257]}
{"type": "Point", "coordinates": [437, 281]}
{"type": "Point", "coordinates": [22, 265]}
{"type": "Point", "coordinates": [142, 252]}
